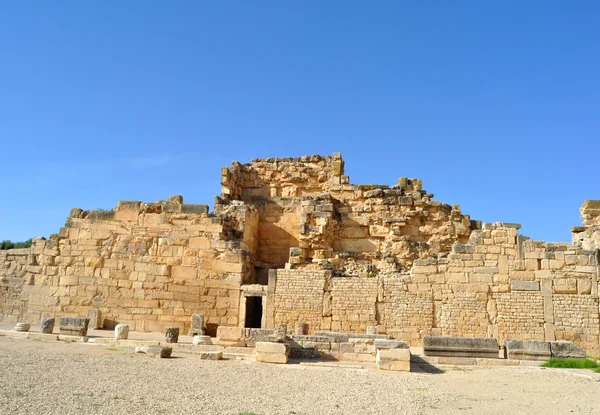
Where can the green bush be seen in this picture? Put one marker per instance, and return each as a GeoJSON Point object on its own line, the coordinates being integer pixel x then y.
{"type": "Point", "coordinates": [571, 364]}
{"type": "Point", "coordinates": [8, 244]}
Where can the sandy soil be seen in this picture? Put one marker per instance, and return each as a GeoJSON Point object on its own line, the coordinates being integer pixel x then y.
{"type": "Point", "coordinates": [62, 378]}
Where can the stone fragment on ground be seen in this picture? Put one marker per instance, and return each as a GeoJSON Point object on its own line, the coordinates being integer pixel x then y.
{"type": "Point", "coordinates": [155, 351]}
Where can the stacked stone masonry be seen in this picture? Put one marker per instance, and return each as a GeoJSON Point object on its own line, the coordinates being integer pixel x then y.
{"type": "Point", "coordinates": [337, 256]}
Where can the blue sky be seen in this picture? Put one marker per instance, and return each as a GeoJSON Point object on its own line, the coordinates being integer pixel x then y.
{"type": "Point", "coordinates": [495, 105]}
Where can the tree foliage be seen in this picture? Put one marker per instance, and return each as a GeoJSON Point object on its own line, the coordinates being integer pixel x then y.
{"type": "Point", "coordinates": [7, 244]}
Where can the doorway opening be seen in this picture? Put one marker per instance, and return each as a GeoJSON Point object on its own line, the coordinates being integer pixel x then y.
{"type": "Point", "coordinates": [254, 312]}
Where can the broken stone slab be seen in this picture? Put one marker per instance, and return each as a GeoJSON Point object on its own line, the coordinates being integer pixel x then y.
{"type": "Point", "coordinates": [121, 331]}
{"type": "Point", "coordinates": [393, 359]}
{"type": "Point", "coordinates": [74, 326]}
{"type": "Point", "coordinates": [22, 327]}
{"type": "Point", "coordinates": [155, 351]}
{"type": "Point", "coordinates": [47, 325]}
{"type": "Point", "coordinates": [527, 349]}
{"type": "Point", "coordinates": [343, 337]}
{"type": "Point", "coordinates": [171, 334]}
{"type": "Point", "coordinates": [389, 344]}
{"type": "Point", "coordinates": [218, 355]}
{"type": "Point", "coordinates": [564, 350]}
{"type": "Point", "coordinates": [460, 346]}
{"type": "Point", "coordinates": [202, 340]}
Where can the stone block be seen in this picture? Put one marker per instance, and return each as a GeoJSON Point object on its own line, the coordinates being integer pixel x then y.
{"type": "Point", "coordinates": [372, 330]}
{"type": "Point", "coordinates": [95, 317]}
{"type": "Point", "coordinates": [74, 326]}
{"type": "Point", "coordinates": [202, 340]}
{"type": "Point", "coordinates": [389, 344]}
{"type": "Point", "coordinates": [527, 350]}
{"type": "Point", "coordinates": [460, 346]}
{"type": "Point", "coordinates": [47, 325]}
{"type": "Point", "coordinates": [171, 334]}
{"type": "Point", "coordinates": [257, 335]}
{"type": "Point", "coordinates": [155, 351]}
{"type": "Point", "coordinates": [272, 358]}
{"type": "Point", "coordinates": [197, 324]}
{"type": "Point", "coordinates": [524, 285]}
{"type": "Point", "coordinates": [563, 350]}
{"type": "Point", "coordinates": [393, 359]}
{"type": "Point", "coordinates": [121, 331]}
{"type": "Point", "coordinates": [217, 355]}
{"type": "Point", "coordinates": [231, 336]}
{"type": "Point", "coordinates": [267, 347]}
{"type": "Point", "coordinates": [23, 327]}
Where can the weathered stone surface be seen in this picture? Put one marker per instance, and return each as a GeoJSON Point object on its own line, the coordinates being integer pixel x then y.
{"type": "Point", "coordinates": [202, 340]}
{"type": "Point", "coordinates": [155, 351]}
{"type": "Point", "coordinates": [344, 337]}
{"type": "Point", "coordinates": [516, 285]}
{"type": "Point", "coordinates": [460, 346]}
{"type": "Point", "coordinates": [22, 327]}
{"type": "Point", "coordinates": [372, 330]}
{"type": "Point", "coordinates": [171, 334]}
{"type": "Point", "coordinates": [74, 326]}
{"type": "Point", "coordinates": [256, 335]}
{"type": "Point", "coordinates": [197, 324]}
{"type": "Point", "coordinates": [268, 352]}
{"type": "Point", "coordinates": [317, 249]}
{"type": "Point", "coordinates": [268, 347]}
{"type": "Point", "coordinates": [231, 336]}
{"type": "Point", "coordinates": [95, 317]}
{"type": "Point", "coordinates": [47, 325]}
{"type": "Point", "coordinates": [216, 355]}
{"type": "Point", "coordinates": [121, 331]}
{"type": "Point", "coordinates": [527, 350]}
{"type": "Point", "coordinates": [389, 344]}
{"type": "Point", "coordinates": [393, 359]}
{"type": "Point", "coordinates": [562, 349]}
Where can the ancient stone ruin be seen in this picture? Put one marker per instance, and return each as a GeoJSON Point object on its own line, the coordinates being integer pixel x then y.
{"type": "Point", "coordinates": [291, 241]}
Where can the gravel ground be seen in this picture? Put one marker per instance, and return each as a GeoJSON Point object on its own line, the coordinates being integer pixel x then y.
{"type": "Point", "coordinates": [62, 378]}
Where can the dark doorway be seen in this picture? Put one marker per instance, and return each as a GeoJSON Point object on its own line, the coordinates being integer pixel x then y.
{"type": "Point", "coordinates": [253, 312]}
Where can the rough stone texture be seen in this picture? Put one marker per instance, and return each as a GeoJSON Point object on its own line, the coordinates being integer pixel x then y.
{"type": "Point", "coordinates": [74, 326]}
{"type": "Point", "coordinates": [197, 324]}
{"type": "Point", "coordinates": [338, 256]}
{"type": "Point", "coordinates": [231, 336]}
{"type": "Point", "coordinates": [171, 334]}
{"type": "Point", "coordinates": [256, 335]}
{"type": "Point", "coordinates": [268, 352]}
{"type": "Point", "coordinates": [155, 351]}
{"type": "Point", "coordinates": [566, 350]}
{"type": "Point", "coordinates": [22, 327]}
{"type": "Point", "coordinates": [121, 331]}
{"type": "Point", "coordinates": [527, 350]}
{"type": "Point", "coordinates": [201, 340]}
{"type": "Point", "coordinates": [389, 344]}
{"type": "Point", "coordinates": [393, 359]}
{"type": "Point", "coordinates": [218, 355]}
{"type": "Point", "coordinates": [95, 317]}
{"type": "Point", "coordinates": [460, 347]}
{"type": "Point", "coordinates": [47, 325]}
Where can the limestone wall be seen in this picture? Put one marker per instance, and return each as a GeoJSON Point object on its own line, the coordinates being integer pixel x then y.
{"type": "Point", "coordinates": [336, 255]}
{"type": "Point", "coordinates": [148, 265]}
{"type": "Point", "coordinates": [499, 284]}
